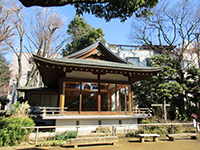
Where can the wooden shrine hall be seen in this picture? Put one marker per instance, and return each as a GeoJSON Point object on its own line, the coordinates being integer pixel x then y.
{"type": "Point", "coordinates": [94, 84]}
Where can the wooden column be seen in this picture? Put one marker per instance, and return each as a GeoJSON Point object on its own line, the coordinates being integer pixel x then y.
{"type": "Point", "coordinates": [62, 95]}
{"type": "Point", "coordinates": [99, 97]}
{"type": "Point", "coordinates": [120, 101]}
{"type": "Point", "coordinates": [80, 100]}
{"type": "Point", "coordinates": [116, 97]}
{"type": "Point", "coordinates": [132, 104]}
{"type": "Point", "coordinates": [129, 97]}
{"type": "Point", "coordinates": [125, 98]}
{"type": "Point", "coordinates": [109, 101]}
{"type": "Point", "coordinates": [99, 94]}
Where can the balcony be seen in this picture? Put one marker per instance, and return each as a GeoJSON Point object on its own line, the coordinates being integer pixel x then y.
{"type": "Point", "coordinates": [62, 113]}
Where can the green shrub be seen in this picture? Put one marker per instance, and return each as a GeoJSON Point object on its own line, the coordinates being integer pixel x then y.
{"type": "Point", "coordinates": [11, 132]}
{"type": "Point", "coordinates": [64, 135]}
{"type": "Point", "coordinates": [59, 139]}
{"type": "Point", "coordinates": [162, 130]}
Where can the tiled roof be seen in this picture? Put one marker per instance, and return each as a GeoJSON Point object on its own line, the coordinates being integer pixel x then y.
{"type": "Point", "coordinates": [97, 63]}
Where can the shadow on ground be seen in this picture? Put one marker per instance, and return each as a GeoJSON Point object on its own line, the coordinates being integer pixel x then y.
{"type": "Point", "coordinates": [35, 148]}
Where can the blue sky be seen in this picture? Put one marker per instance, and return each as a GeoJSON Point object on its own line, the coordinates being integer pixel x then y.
{"type": "Point", "coordinates": [115, 31]}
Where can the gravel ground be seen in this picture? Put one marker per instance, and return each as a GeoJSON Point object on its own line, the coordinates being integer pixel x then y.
{"type": "Point", "coordinates": [126, 144]}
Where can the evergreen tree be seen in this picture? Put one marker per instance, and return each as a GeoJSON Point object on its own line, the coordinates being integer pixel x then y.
{"type": "Point", "coordinates": [193, 85]}
{"type": "Point", "coordinates": [171, 29]}
{"type": "Point", "coordinates": [4, 76]}
{"type": "Point", "coordinates": [161, 88]}
{"type": "Point", "coordinates": [107, 9]}
{"type": "Point", "coordinates": [82, 35]}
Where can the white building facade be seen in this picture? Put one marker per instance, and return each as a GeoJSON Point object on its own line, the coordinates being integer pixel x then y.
{"type": "Point", "coordinates": [140, 55]}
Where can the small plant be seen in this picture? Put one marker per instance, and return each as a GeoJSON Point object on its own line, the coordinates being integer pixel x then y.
{"type": "Point", "coordinates": [64, 135]}
{"type": "Point", "coordinates": [182, 117]}
{"type": "Point", "coordinates": [52, 143]}
{"type": "Point", "coordinates": [20, 110]}
{"type": "Point", "coordinates": [162, 130]}
{"type": "Point", "coordinates": [59, 139]}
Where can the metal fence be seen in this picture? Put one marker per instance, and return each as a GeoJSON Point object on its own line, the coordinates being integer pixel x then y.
{"type": "Point", "coordinates": [77, 128]}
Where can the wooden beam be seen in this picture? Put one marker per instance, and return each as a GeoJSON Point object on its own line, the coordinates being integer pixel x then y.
{"type": "Point", "coordinates": [95, 80]}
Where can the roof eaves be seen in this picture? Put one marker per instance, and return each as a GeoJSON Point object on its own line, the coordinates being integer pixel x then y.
{"type": "Point", "coordinates": [92, 63]}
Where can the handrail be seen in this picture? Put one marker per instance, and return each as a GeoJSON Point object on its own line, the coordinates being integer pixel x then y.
{"type": "Point", "coordinates": [142, 111]}
{"type": "Point", "coordinates": [113, 127]}
{"type": "Point", "coordinates": [52, 110]}
{"type": "Point", "coordinates": [53, 107]}
{"type": "Point", "coordinates": [61, 110]}
{"type": "Point", "coordinates": [121, 125]}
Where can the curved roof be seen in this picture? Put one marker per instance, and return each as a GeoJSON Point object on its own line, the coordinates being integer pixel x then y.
{"type": "Point", "coordinates": [104, 49]}
{"type": "Point", "coordinates": [95, 63]}
{"type": "Point", "coordinates": [51, 69]}
{"type": "Point", "coordinates": [94, 57]}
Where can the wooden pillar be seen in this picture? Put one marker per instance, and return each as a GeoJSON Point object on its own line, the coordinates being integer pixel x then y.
{"type": "Point", "coordinates": [116, 97]}
{"type": "Point", "coordinates": [62, 95]}
{"type": "Point", "coordinates": [62, 101]}
{"type": "Point", "coordinates": [99, 93]}
{"type": "Point", "coordinates": [99, 97]}
{"type": "Point", "coordinates": [129, 98]}
{"type": "Point", "coordinates": [120, 101]}
{"type": "Point", "coordinates": [125, 96]}
{"type": "Point", "coordinates": [80, 100]}
{"type": "Point", "coordinates": [132, 104]}
{"type": "Point", "coordinates": [109, 101]}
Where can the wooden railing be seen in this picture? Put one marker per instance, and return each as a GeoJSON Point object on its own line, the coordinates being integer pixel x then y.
{"type": "Point", "coordinates": [142, 111]}
{"type": "Point", "coordinates": [62, 111]}
{"type": "Point", "coordinates": [53, 110]}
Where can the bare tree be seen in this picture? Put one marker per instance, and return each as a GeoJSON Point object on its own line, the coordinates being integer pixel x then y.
{"type": "Point", "coordinates": [19, 28]}
{"type": "Point", "coordinates": [167, 28]}
{"type": "Point", "coordinates": [6, 30]}
{"type": "Point", "coordinates": [46, 38]}
{"type": "Point", "coordinates": [6, 34]}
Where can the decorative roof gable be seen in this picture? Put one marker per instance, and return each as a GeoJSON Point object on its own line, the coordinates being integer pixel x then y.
{"type": "Point", "coordinates": [97, 51]}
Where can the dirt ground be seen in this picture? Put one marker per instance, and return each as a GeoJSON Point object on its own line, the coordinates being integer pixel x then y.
{"type": "Point", "coordinates": [127, 144]}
